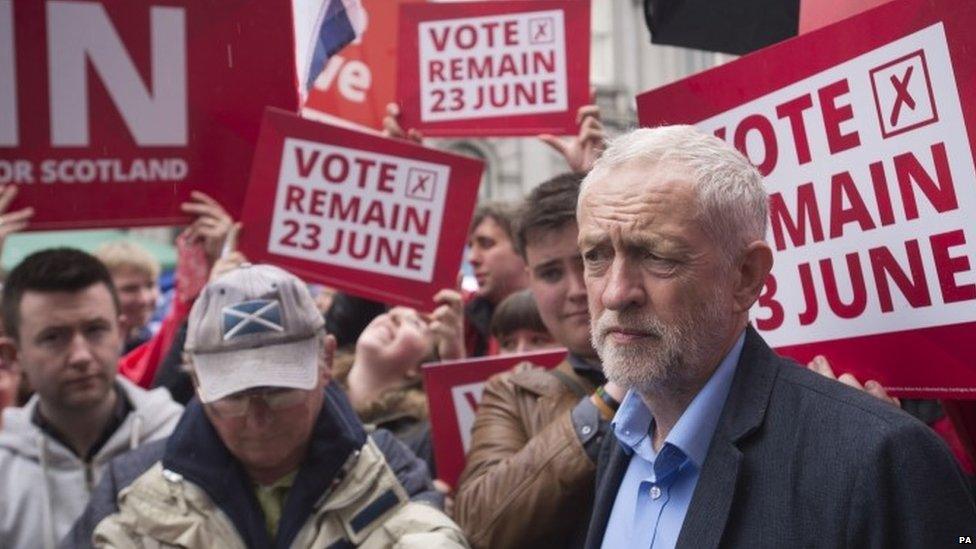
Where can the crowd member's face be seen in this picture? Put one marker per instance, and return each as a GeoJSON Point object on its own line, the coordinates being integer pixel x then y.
{"type": "Point", "coordinates": [660, 291]}
{"type": "Point", "coordinates": [524, 340]}
{"type": "Point", "coordinates": [68, 345]}
{"type": "Point", "coordinates": [137, 292]}
{"type": "Point", "coordinates": [399, 338]}
{"type": "Point", "coordinates": [556, 280]}
{"type": "Point", "coordinates": [498, 269]}
{"type": "Point", "coordinates": [271, 441]}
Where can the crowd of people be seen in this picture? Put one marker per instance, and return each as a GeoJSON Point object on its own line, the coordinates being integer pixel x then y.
{"type": "Point", "coordinates": [262, 411]}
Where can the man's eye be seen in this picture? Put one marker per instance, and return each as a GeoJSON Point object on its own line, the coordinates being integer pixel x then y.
{"type": "Point", "coordinates": [49, 338]}
{"type": "Point", "coordinates": [594, 255]}
{"type": "Point", "coordinates": [551, 275]}
{"type": "Point", "coordinates": [96, 330]}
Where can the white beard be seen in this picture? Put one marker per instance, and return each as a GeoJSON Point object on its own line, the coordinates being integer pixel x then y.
{"type": "Point", "coordinates": [674, 359]}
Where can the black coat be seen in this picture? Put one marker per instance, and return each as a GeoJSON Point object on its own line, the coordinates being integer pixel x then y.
{"type": "Point", "coordinates": [798, 460]}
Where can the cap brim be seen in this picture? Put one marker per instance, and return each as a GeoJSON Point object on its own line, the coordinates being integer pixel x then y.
{"type": "Point", "coordinates": [292, 365]}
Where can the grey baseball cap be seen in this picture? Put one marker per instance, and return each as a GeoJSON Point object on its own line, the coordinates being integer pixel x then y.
{"type": "Point", "coordinates": [255, 326]}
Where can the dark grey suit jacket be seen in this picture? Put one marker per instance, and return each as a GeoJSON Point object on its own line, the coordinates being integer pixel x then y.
{"type": "Point", "coordinates": [798, 460]}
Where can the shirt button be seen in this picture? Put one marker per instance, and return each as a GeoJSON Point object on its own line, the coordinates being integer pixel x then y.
{"type": "Point", "coordinates": [586, 430]}
{"type": "Point", "coordinates": [655, 491]}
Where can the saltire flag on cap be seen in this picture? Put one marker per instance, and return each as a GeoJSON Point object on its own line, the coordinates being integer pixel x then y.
{"type": "Point", "coordinates": [252, 317]}
{"type": "Point", "coordinates": [335, 24]}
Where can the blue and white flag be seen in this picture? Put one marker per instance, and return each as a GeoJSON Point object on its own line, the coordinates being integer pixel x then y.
{"type": "Point", "coordinates": [322, 28]}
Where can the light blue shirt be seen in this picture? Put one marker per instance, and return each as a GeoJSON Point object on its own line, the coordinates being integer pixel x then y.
{"type": "Point", "coordinates": [656, 490]}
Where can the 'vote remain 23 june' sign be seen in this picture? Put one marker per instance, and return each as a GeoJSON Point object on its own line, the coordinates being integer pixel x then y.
{"type": "Point", "coordinates": [493, 68]}
{"type": "Point", "coordinates": [863, 132]}
{"type": "Point", "coordinates": [377, 217]}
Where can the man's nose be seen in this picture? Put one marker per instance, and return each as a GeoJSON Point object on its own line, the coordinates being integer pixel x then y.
{"type": "Point", "coordinates": [576, 291]}
{"type": "Point", "coordinates": [146, 295]}
{"type": "Point", "coordinates": [259, 414]}
{"type": "Point", "coordinates": [623, 286]}
{"type": "Point", "coordinates": [79, 351]}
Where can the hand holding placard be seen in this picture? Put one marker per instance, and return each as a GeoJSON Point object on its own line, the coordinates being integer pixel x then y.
{"type": "Point", "coordinates": [582, 150]}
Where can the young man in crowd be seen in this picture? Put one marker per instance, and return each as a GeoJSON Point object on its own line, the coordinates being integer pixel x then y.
{"type": "Point", "coordinates": [719, 441]}
{"type": "Point", "coordinates": [61, 315]}
{"type": "Point", "coordinates": [498, 268]}
{"type": "Point", "coordinates": [271, 454]}
{"type": "Point", "coordinates": [530, 468]}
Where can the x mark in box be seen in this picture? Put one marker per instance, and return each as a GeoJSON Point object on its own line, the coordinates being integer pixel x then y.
{"type": "Point", "coordinates": [903, 94]}
{"type": "Point", "coordinates": [542, 30]}
{"type": "Point", "coordinates": [421, 184]}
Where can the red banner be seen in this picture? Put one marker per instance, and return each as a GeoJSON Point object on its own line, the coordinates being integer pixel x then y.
{"type": "Point", "coordinates": [359, 81]}
{"type": "Point", "coordinates": [453, 391]}
{"type": "Point", "coordinates": [863, 131]}
{"type": "Point", "coordinates": [111, 112]}
{"type": "Point", "coordinates": [494, 68]}
{"type": "Point", "coordinates": [373, 216]}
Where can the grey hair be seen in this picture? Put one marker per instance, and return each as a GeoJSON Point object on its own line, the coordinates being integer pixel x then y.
{"type": "Point", "coordinates": [732, 200]}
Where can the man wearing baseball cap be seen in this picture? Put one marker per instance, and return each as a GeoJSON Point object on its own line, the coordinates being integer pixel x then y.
{"type": "Point", "coordinates": [271, 454]}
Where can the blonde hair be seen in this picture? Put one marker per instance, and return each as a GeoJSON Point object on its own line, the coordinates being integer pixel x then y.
{"type": "Point", "coordinates": [125, 254]}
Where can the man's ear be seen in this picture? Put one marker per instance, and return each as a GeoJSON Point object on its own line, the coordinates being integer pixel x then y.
{"type": "Point", "coordinates": [8, 350]}
{"type": "Point", "coordinates": [751, 271]}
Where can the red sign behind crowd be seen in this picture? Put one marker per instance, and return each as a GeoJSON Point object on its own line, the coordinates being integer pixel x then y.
{"type": "Point", "coordinates": [494, 68]}
{"type": "Point", "coordinates": [111, 112]}
{"type": "Point", "coordinates": [373, 216]}
{"type": "Point", "coordinates": [359, 81]}
{"type": "Point", "coordinates": [864, 132]}
{"type": "Point", "coordinates": [453, 392]}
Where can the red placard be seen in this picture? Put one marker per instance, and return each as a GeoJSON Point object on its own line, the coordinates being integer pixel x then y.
{"type": "Point", "coordinates": [863, 131]}
{"type": "Point", "coordinates": [376, 217]}
{"type": "Point", "coordinates": [359, 81]}
{"type": "Point", "coordinates": [453, 391]}
{"type": "Point", "coordinates": [111, 112]}
{"type": "Point", "coordinates": [494, 68]}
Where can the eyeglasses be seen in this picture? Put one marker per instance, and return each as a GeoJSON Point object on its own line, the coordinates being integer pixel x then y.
{"type": "Point", "coordinates": [237, 404]}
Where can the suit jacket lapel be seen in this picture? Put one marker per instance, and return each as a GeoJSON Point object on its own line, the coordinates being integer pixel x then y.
{"type": "Point", "coordinates": [612, 466]}
{"type": "Point", "coordinates": [743, 413]}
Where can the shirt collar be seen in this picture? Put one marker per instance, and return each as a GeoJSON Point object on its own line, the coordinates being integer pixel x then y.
{"type": "Point", "coordinates": [693, 432]}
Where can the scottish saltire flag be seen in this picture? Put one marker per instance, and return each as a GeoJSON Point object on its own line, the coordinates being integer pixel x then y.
{"type": "Point", "coordinates": [322, 28]}
{"type": "Point", "coordinates": [252, 317]}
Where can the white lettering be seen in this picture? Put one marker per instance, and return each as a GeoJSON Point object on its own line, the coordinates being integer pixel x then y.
{"type": "Point", "coordinates": [355, 80]}
{"type": "Point", "coordinates": [8, 77]}
{"type": "Point", "coordinates": [78, 33]}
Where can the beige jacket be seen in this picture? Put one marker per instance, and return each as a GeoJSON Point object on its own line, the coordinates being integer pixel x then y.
{"type": "Point", "coordinates": [162, 509]}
